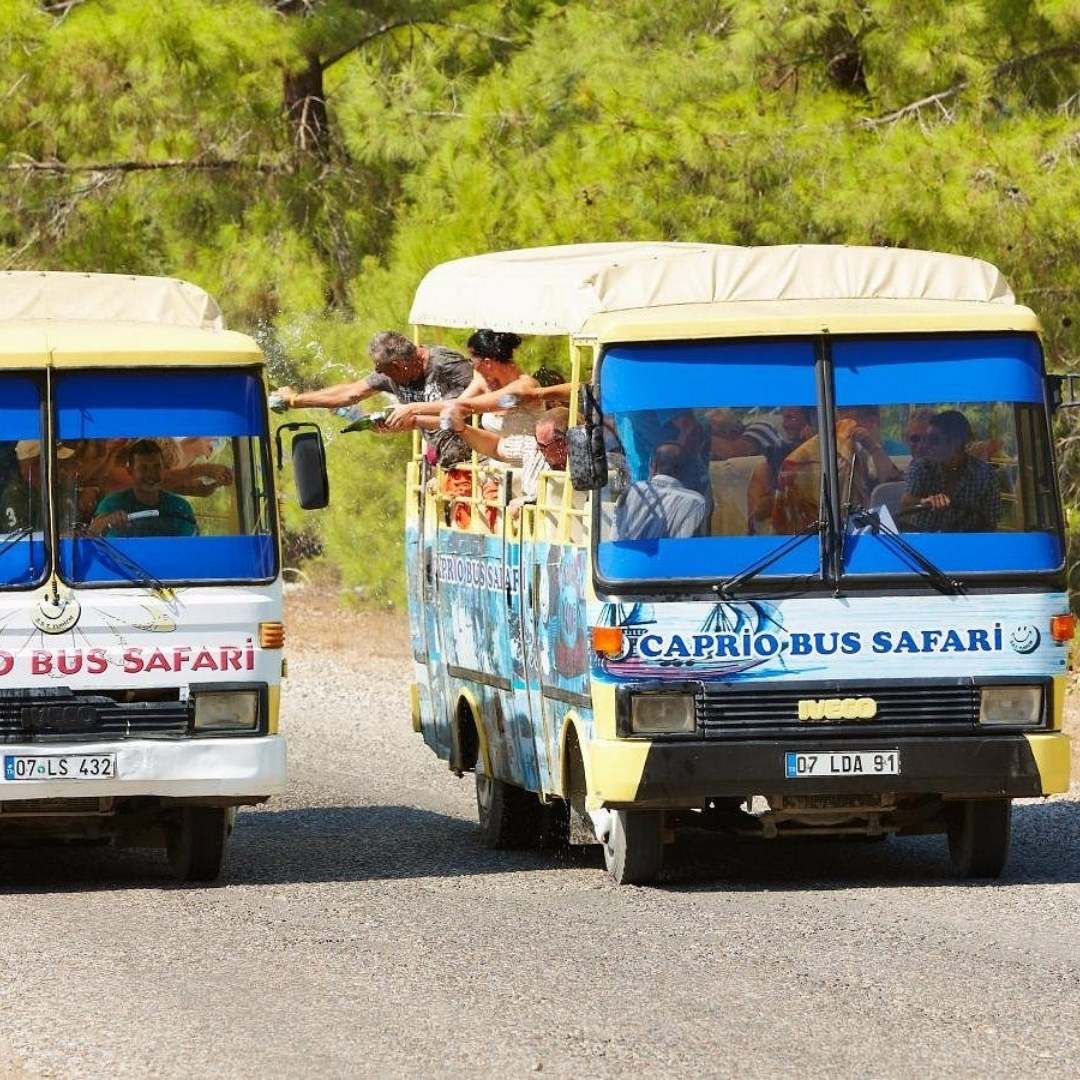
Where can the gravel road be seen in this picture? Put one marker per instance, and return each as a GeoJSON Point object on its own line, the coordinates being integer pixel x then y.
{"type": "Point", "coordinates": [361, 930]}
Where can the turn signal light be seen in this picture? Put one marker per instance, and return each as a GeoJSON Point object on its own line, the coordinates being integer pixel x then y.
{"type": "Point", "coordinates": [607, 640]}
{"type": "Point", "coordinates": [1062, 627]}
{"type": "Point", "coordinates": [271, 635]}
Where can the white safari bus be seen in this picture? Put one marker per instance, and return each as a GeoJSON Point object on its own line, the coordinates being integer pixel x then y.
{"type": "Point", "coordinates": [140, 571]}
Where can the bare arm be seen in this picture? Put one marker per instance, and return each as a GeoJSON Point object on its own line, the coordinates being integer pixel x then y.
{"type": "Point", "coordinates": [524, 386]}
{"type": "Point", "coordinates": [330, 397]}
{"type": "Point", "coordinates": [479, 439]}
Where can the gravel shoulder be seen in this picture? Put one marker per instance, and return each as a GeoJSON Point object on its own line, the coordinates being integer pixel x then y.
{"type": "Point", "coordinates": [362, 930]}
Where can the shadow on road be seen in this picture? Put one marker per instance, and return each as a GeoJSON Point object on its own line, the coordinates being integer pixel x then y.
{"type": "Point", "coordinates": [286, 846]}
{"type": "Point", "coordinates": [1045, 850]}
{"type": "Point", "coordinates": [363, 843]}
{"type": "Point", "coordinates": [359, 843]}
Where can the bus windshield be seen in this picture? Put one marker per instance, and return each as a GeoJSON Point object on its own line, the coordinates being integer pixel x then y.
{"type": "Point", "coordinates": [162, 475]}
{"type": "Point", "coordinates": [715, 459]}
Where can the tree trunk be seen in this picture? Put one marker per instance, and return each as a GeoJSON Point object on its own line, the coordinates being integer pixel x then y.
{"type": "Point", "coordinates": [305, 108]}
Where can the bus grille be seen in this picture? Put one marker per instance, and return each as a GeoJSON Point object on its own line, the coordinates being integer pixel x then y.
{"type": "Point", "coordinates": [925, 708]}
{"type": "Point", "coordinates": [44, 716]}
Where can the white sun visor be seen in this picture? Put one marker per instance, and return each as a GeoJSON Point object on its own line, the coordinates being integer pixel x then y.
{"type": "Point", "coordinates": [67, 296]}
{"type": "Point", "coordinates": [555, 290]}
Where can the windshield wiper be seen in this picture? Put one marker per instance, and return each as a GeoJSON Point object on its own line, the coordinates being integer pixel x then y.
{"type": "Point", "coordinates": [123, 563]}
{"type": "Point", "coordinates": [13, 538]}
{"type": "Point", "coordinates": [863, 517]}
{"type": "Point", "coordinates": [727, 587]}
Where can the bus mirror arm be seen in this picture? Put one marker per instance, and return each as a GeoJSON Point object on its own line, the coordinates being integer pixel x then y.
{"type": "Point", "coordinates": [1063, 391]}
{"type": "Point", "coordinates": [309, 464]}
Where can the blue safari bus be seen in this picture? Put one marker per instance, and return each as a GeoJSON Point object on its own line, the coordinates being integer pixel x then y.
{"type": "Point", "coordinates": [803, 574]}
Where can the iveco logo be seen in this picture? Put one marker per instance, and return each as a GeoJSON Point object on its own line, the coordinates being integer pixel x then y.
{"type": "Point", "coordinates": [838, 708]}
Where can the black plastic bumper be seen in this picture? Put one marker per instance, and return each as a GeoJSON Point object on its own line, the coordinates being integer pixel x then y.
{"type": "Point", "coordinates": [686, 773]}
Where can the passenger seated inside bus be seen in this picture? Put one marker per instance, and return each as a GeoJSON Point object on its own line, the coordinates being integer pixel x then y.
{"type": "Point", "coordinates": [950, 489]}
{"type": "Point", "coordinates": [661, 506]}
{"type": "Point", "coordinates": [146, 508]}
{"type": "Point", "coordinates": [776, 489]}
{"type": "Point", "coordinates": [21, 500]}
{"type": "Point", "coordinates": [100, 467]}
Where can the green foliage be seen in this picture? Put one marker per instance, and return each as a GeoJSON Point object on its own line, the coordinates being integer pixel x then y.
{"type": "Point", "coordinates": [475, 126]}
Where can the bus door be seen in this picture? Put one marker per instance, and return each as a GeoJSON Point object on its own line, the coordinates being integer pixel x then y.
{"type": "Point", "coordinates": [523, 608]}
{"type": "Point", "coordinates": [422, 559]}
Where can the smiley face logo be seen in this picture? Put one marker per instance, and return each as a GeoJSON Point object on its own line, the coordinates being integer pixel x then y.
{"type": "Point", "coordinates": [1025, 639]}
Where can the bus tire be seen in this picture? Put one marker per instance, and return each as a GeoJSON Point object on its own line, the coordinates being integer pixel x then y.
{"type": "Point", "coordinates": [510, 817]}
{"type": "Point", "coordinates": [979, 831]}
{"type": "Point", "coordinates": [196, 843]}
{"type": "Point", "coordinates": [634, 846]}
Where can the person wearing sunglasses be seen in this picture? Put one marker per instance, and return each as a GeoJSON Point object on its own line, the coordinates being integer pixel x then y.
{"type": "Point", "coordinates": [916, 430]}
{"type": "Point", "coordinates": [948, 488]}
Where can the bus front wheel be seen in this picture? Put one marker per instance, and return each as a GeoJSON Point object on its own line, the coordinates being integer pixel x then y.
{"type": "Point", "coordinates": [634, 846]}
{"type": "Point", "coordinates": [196, 843]}
{"type": "Point", "coordinates": [510, 817]}
{"type": "Point", "coordinates": [979, 832]}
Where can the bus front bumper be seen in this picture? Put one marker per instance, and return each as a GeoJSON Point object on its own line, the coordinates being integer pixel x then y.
{"type": "Point", "coordinates": [633, 773]}
{"type": "Point", "coordinates": [244, 767]}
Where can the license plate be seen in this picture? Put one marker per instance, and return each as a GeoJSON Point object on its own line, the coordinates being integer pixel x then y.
{"type": "Point", "coordinates": [842, 763]}
{"type": "Point", "coordinates": [59, 766]}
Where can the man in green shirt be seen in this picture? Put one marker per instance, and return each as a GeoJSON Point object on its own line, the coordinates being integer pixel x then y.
{"type": "Point", "coordinates": [144, 509]}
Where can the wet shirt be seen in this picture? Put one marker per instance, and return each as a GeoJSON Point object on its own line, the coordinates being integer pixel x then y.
{"type": "Point", "coordinates": [175, 515]}
{"type": "Point", "coordinates": [973, 490]}
{"type": "Point", "coordinates": [446, 374]}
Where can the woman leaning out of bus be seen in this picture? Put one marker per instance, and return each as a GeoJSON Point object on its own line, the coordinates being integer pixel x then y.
{"type": "Point", "coordinates": [508, 398]}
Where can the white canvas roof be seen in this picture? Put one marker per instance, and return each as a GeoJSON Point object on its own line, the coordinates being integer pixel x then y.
{"type": "Point", "coordinates": [555, 290]}
{"type": "Point", "coordinates": [62, 295]}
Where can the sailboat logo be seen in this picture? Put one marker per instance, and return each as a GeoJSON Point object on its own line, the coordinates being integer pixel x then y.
{"type": "Point", "coordinates": [734, 637]}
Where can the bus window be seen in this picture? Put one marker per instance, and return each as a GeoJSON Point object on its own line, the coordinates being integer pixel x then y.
{"type": "Point", "coordinates": [22, 471]}
{"type": "Point", "coordinates": [949, 446]}
{"type": "Point", "coordinates": [713, 457]}
{"type": "Point", "coordinates": [168, 477]}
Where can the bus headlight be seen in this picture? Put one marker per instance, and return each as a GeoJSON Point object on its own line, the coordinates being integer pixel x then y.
{"type": "Point", "coordinates": [1019, 705]}
{"type": "Point", "coordinates": [236, 710]}
{"type": "Point", "coordinates": [662, 714]}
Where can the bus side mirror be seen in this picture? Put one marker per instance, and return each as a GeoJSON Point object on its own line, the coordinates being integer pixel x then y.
{"type": "Point", "coordinates": [585, 451]}
{"type": "Point", "coordinates": [1064, 391]}
{"type": "Point", "coordinates": [309, 465]}
{"type": "Point", "coordinates": [586, 458]}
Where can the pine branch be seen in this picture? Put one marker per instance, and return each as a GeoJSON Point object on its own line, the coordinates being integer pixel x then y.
{"type": "Point", "coordinates": [61, 167]}
{"type": "Point", "coordinates": [365, 39]}
{"type": "Point", "coordinates": [389, 27]}
{"type": "Point", "coordinates": [1009, 67]}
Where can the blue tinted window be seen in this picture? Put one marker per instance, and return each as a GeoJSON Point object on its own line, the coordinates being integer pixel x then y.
{"type": "Point", "coordinates": [713, 458]}
{"type": "Point", "coordinates": [23, 552]}
{"type": "Point", "coordinates": [167, 478]}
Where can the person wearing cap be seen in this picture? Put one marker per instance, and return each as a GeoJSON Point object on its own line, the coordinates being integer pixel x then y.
{"type": "Point", "coordinates": [21, 504]}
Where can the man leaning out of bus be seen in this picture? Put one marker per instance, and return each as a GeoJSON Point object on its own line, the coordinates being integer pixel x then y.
{"type": "Point", "coordinates": [407, 372]}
